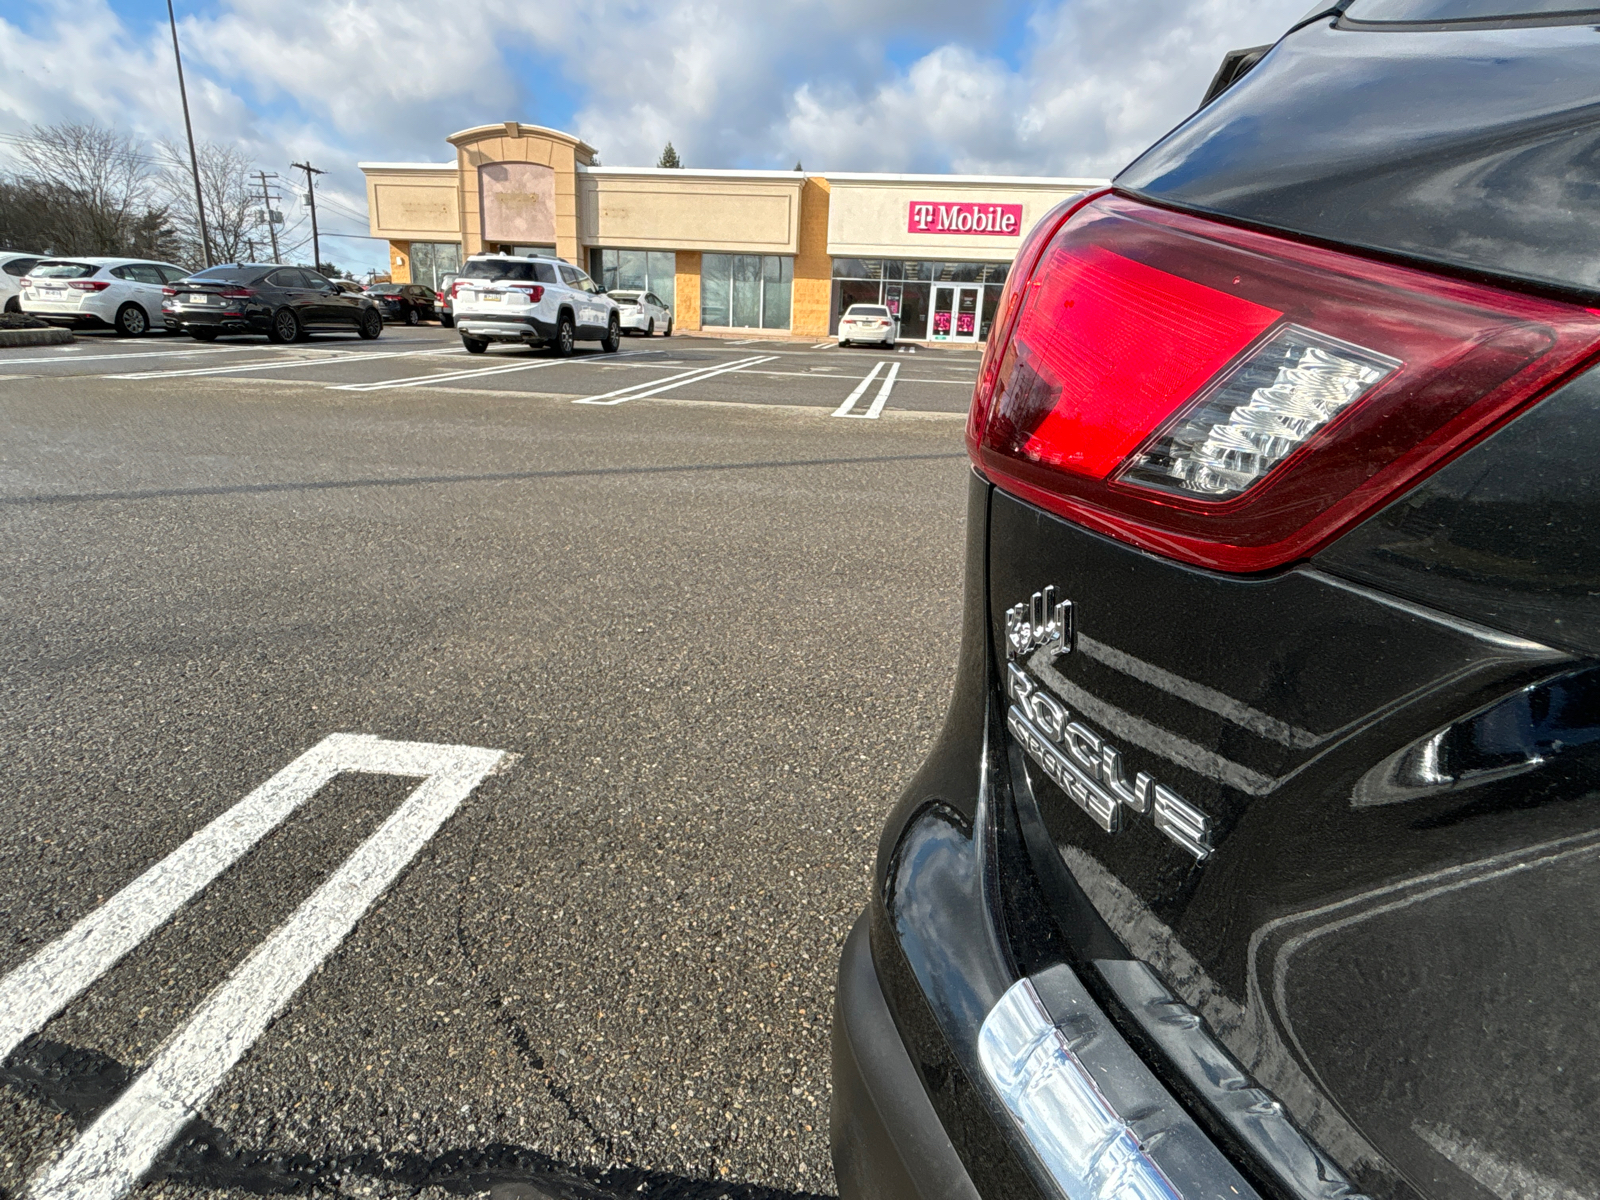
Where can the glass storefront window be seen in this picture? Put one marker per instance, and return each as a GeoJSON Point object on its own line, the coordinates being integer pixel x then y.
{"type": "Point", "coordinates": [432, 261]}
{"type": "Point", "coordinates": [748, 291]}
{"type": "Point", "coordinates": [636, 270]}
{"type": "Point", "coordinates": [913, 288]}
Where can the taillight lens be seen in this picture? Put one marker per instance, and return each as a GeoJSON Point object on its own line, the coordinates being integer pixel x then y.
{"type": "Point", "coordinates": [237, 293]}
{"type": "Point", "coordinates": [169, 291]}
{"type": "Point", "coordinates": [89, 285]}
{"type": "Point", "coordinates": [1236, 399]}
{"type": "Point", "coordinates": [533, 291]}
{"type": "Point", "coordinates": [25, 281]}
{"type": "Point", "coordinates": [1005, 311]}
{"type": "Point", "coordinates": [455, 288]}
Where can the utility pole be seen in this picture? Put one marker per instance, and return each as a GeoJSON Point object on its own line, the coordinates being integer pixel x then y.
{"type": "Point", "coordinates": [194, 159]}
{"type": "Point", "coordinates": [311, 199]}
{"type": "Point", "coordinates": [250, 248]}
{"type": "Point", "coordinates": [266, 198]}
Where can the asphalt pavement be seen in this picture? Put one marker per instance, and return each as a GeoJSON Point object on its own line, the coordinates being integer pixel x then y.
{"type": "Point", "coordinates": [658, 635]}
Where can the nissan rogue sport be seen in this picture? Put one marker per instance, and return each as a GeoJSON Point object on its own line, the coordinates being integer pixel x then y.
{"type": "Point", "coordinates": [1259, 856]}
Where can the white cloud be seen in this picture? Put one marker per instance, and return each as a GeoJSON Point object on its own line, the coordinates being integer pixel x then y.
{"type": "Point", "coordinates": [830, 82]}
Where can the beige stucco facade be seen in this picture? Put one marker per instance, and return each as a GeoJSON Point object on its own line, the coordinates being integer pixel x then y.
{"type": "Point", "coordinates": [517, 188]}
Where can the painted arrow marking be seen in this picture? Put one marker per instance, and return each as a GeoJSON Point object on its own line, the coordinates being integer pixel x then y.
{"type": "Point", "coordinates": [112, 1155]}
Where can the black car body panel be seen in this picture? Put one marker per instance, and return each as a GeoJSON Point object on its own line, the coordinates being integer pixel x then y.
{"type": "Point", "coordinates": [1475, 148]}
{"type": "Point", "coordinates": [319, 305]}
{"type": "Point", "coordinates": [1373, 971]}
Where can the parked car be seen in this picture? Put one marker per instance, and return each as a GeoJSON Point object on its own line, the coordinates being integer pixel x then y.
{"type": "Point", "coordinates": [866, 323]}
{"type": "Point", "coordinates": [287, 304]}
{"type": "Point", "coordinates": [642, 312]}
{"type": "Point", "coordinates": [107, 293]}
{"type": "Point", "coordinates": [532, 300]}
{"type": "Point", "coordinates": [349, 286]}
{"type": "Point", "coordinates": [445, 300]}
{"type": "Point", "coordinates": [13, 266]}
{"type": "Point", "coordinates": [411, 303]}
{"type": "Point", "coordinates": [1259, 853]}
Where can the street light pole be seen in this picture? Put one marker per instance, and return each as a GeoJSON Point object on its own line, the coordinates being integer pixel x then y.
{"type": "Point", "coordinates": [188, 128]}
{"type": "Point", "coordinates": [311, 199]}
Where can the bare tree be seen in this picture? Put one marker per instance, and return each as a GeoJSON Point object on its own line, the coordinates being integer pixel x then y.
{"type": "Point", "coordinates": [232, 198]}
{"type": "Point", "coordinates": [98, 184]}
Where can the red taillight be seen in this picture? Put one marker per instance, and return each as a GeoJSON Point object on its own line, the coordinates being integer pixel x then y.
{"type": "Point", "coordinates": [25, 281]}
{"type": "Point", "coordinates": [169, 291]}
{"type": "Point", "coordinates": [1236, 399]}
{"type": "Point", "coordinates": [237, 293]}
{"type": "Point", "coordinates": [455, 288]}
{"type": "Point", "coordinates": [533, 291]}
{"type": "Point", "coordinates": [89, 285]}
{"type": "Point", "coordinates": [1005, 312]}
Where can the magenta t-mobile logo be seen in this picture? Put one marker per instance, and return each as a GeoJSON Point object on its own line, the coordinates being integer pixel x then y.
{"type": "Point", "coordinates": [995, 220]}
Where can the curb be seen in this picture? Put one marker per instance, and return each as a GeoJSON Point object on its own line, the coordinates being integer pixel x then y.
{"type": "Point", "coordinates": [35, 337]}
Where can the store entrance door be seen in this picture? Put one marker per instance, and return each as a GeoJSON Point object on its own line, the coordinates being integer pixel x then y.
{"type": "Point", "coordinates": [954, 314]}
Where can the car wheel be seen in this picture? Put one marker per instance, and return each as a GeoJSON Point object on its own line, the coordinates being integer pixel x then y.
{"type": "Point", "coordinates": [371, 325]}
{"type": "Point", "coordinates": [412, 318]}
{"type": "Point", "coordinates": [13, 305]}
{"type": "Point", "coordinates": [285, 327]}
{"type": "Point", "coordinates": [650, 329]}
{"type": "Point", "coordinates": [474, 345]}
{"type": "Point", "coordinates": [132, 321]}
{"type": "Point", "coordinates": [202, 335]}
{"type": "Point", "coordinates": [612, 342]}
{"type": "Point", "coordinates": [843, 342]}
{"type": "Point", "coordinates": [566, 336]}
{"type": "Point", "coordinates": [668, 333]}
{"type": "Point", "coordinates": [446, 321]}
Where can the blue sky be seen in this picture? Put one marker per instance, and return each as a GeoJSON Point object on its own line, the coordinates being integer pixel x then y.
{"type": "Point", "coordinates": [1056, 87]}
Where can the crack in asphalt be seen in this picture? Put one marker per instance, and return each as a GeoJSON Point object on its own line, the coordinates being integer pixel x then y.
{"type": "Point", "coordinates": [259, 489]}
{"type": "Point", "coordinates": [82, 1083]}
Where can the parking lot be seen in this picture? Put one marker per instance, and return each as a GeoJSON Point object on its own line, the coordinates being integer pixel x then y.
{"type": "Point", "coordinates": [660, 634]}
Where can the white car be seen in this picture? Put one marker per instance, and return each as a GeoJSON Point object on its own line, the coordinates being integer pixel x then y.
{"type": "Point", "coordinates": [641, 312]}
{"type": "Point", "coordinates": [118, 293]}
{"type": "Point", "coordinates": [866, 323]}
{"type": "Point", "coordinates": [534, 301]}
{"type": "Point", "coordinates": [13, 267]}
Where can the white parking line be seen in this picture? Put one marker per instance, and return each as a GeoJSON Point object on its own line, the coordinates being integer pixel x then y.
{"type": "Point", "coordinates": [844, 409]}
{"type": "Point", "coordinates": [640, 391]}
{"type": "Point", "coordinates": [280, 364]}
{"type": "Point", "coordinates": [109, 1159]}
{"type": "Point", "coordinates": [81, 358]}
{"type": "Point", "coordinates": [479, 372]}
{"type": "Point", "coordinates": [878, 401]}
{"type": "Point", "coordinates": [826, 346]}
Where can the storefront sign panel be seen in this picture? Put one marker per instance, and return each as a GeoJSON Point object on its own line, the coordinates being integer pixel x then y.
{"type": "Point", "coordinates": [995, 220]}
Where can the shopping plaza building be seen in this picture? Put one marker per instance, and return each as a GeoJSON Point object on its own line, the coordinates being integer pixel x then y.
{"type": "Point", "coordinates": [778, 251]}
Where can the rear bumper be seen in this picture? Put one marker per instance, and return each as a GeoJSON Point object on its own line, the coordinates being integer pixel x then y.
{"type": "Point", "coordinates": [505, 327]}
{"type": "Point", "coordinates": [888, 1143]}
{"type": "Point", "coordinates": [240, 322]}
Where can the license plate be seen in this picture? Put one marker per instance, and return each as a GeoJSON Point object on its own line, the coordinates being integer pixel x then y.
{"type": "Point", "coordinates": [491, 298]}
{"type": "Point", "coordinates": [196, 298]}
{"type": "Point", "coordinates": [51, 293]}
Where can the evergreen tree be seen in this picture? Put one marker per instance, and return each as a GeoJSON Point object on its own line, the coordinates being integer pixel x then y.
{"type": "Point", "coordinates": [669, 157]}
{"type": "Point", "coordinates": [797, 165]}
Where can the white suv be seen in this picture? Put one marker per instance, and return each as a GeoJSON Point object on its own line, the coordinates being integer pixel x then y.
{"type": "Point", "coordinates": [124, 293]}
{"type": "Point", "coordinates": [534, 301]}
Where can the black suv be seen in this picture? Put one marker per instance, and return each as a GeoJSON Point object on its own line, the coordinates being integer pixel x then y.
{"type": "Point", "coordinates": [287, 304]}
{"type": "Point", "coordinates": [409, 302]}
{"type": "Point", "coordinates": [1259, 855]}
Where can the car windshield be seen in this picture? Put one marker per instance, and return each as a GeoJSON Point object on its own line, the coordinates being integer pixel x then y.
{"type": "Point", "coordinates": [63, 270]}
{"type": "Point", "coordinates": [867, 310]}
{"type": "Point", "coordinates": [625, 297]}
{"type": "Point", "coordinates": [223, 274]}
{"type": "Point", "coordinates": [517, 270]}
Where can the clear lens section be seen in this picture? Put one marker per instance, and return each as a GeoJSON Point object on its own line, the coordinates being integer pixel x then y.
{"type": "Point", "coordinates": [1260, 413]}
{"type": "Point", "coordinates": [1082, 1141]}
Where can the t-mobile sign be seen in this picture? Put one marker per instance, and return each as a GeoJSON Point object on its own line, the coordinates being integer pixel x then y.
{"type": "Point", "coordinates": [999, 220]}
